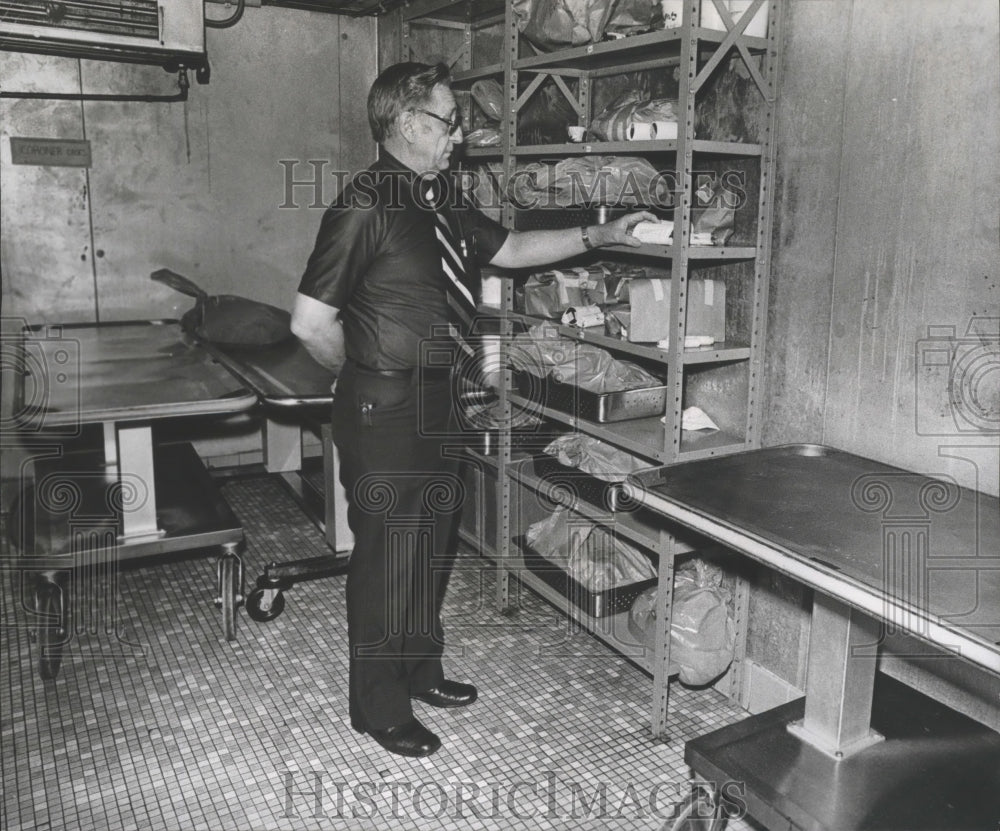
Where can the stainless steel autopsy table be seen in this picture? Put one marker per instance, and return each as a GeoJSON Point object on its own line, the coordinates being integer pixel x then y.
{"type": "Point", "coordinates": [885, 550]}
{"type": "Point", "coordinates": [127, 498]}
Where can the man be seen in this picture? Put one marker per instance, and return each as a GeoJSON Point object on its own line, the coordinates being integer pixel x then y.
{"type": "Point", "coordinates": [387, 272]}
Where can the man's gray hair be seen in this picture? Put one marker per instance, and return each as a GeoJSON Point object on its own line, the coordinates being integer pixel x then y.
{"type": "Point", "coordinates": [401, 87]}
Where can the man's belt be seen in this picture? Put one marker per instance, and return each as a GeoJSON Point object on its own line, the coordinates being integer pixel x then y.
{"type": "Point", "coordinates": [430, 373]}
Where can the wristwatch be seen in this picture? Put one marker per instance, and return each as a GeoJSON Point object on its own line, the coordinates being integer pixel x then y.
{"type": "Point", "coordinates": [586, 238]}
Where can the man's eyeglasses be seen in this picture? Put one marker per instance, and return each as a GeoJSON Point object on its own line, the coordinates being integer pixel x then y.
{"type": "Point", "coordinates": [452, 123]}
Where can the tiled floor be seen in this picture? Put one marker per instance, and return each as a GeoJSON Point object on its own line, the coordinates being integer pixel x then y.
{"type": "Point", "coordinates": [155, 722]}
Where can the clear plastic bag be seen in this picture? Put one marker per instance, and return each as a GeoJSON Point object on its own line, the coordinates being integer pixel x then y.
{"type": "Point", "coordinates": [488, 94]}
{"type": "Point", "coordinates": [556, 24]}
{"type": "Point", "coordinates": [601, 460]}
{"type": "Point", "coordinates": [588, 553]}
{"type": "Point", "coordinates": [626, 181]}
{"type": "Point", "coordinates": [702, 631]}
{"type": "Point", "coordinates": [484, 137]}
{"type": "Point", "coordinates": [550, 293]}
{"type": "Point", "coordinates": [541, 352]}
{"type": "Point", "coordinates": [711, 215]}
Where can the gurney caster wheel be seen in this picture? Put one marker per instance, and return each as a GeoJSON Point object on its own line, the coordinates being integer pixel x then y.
{"type": "Point", "coordinates": [230, 589]}
{"type": "Point", "coordinates": [699, 811]}
{"type": "Point", "coordinates": [265, 604]}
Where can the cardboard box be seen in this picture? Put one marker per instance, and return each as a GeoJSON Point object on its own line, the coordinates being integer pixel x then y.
{"type": "Point", "coordinates": [649, 318]}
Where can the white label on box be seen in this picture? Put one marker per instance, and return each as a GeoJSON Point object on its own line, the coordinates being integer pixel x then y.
{"type": "Point", "coordinates": [657, 290]}
{"type": "Point", "coordinates": [492, 289]}
{"type": "Point", "coordinates": [710, 292]}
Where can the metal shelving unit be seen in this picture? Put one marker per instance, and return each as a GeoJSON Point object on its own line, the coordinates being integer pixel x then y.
{"type": "Point", "coordinates": [694, 53]}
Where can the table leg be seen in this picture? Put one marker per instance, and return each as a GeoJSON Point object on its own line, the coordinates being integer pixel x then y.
{"type": "Point", "coordinates": [338, 533]}
{"type": "Point", "coordinates": [110, 444]}
{"type": "Point", "coordinates": [840, 681]}
{"type": "Point", "coordinates": [135, 474]}
{"type": "Point", "coordinates": [282, 446]}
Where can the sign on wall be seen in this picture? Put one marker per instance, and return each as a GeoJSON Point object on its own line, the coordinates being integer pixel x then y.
{"type": "Point", "coordinates": [50, 152]}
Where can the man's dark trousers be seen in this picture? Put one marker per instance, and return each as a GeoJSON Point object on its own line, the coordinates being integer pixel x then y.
{"type": "Point", "coordinates": [404, 497]}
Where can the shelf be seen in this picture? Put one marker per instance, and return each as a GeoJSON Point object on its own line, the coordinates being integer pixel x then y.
{"type": "Point", "coordinates": [700, 445]}
{"type": "Point", "coordinates": [641, 436]}
{"type": "Point", "coordinates": [717, 353]}
{"type": "Point", "coordinates": [661, 47]}
{"type": "Point", "coordinates": [432, 12]}
{"type": "Point", "coordinates": [694, 252]}
{"type": "Point", "coordinates": [467, 76]}
{"type": "Point", "coordinates": [481, 153]}
{"type": "Point", "coordinates": [580, 506]}
{"type": "Point", "coordinates": [571, 148]}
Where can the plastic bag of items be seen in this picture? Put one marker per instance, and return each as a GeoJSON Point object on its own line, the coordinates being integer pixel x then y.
{"type": "Point", "coordinates": [632, 107]}
{"type": "Point", "coordinates": [702, 631]}
{"type": "Point", "coordinates": [630, 17]}
{"type": "Point", "coordinates": [483, 137]}
{"type": "Point", "coordinates": [488, 94]}
{"type": "Point", "coordinates": [550, 293]}
{"type": "Point", "coordinates": [541, 352]}
{"type": "Point", "coordinates": [713, 215]}
{"type": "Point", "coordinates": [593, 456]}
{"type": "Point", "coordinates": [588, 553]}
{"type": "Point", "coordinates": [556, 24]}
{"type": "Point", "coordinates": [589, 180]}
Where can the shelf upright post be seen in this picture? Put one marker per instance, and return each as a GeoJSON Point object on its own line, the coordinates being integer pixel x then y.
{"type": "Point", "coordinates": [758, 317]}
{"type": "Point", "coordinates": [503, 490]}
{"type": "Point", "coordinates": [510, 137]}
{"type": "Point", "coordinates": [467, 38]}
{"type": "Point", "coordinates": [683, 179]}
{"type": "Point", "coordinates": [765, 213]}
{"type": "Point", "coordinates": [406, 40]}
{"type": "Point", "coordinates": [683, 186]}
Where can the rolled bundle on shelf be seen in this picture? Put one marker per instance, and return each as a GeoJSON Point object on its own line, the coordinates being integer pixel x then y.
{"type": "Point", "coordinates": [632, 108]}
{"type": "Point", "coordinates": [651, 130]}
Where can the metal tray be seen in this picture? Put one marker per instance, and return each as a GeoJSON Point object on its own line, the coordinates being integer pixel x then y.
{"type": "Point", "coordinates": [595, 603]}
{"type": "Point", "coordinates": [576, 483]}
{"type": "Point", "coordinates": [600, 407]}
{"type": "Point", "coordinates": [532, 440]}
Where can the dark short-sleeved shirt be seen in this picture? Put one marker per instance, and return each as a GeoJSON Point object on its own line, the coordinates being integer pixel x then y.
{"type": "Point", "coordinates": [377, 259]}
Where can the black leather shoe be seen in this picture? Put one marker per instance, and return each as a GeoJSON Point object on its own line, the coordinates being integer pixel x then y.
{"type": "Point", "coordinates": [448, 694]}
{"type": "Point", "coordinates": [409, 739]}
